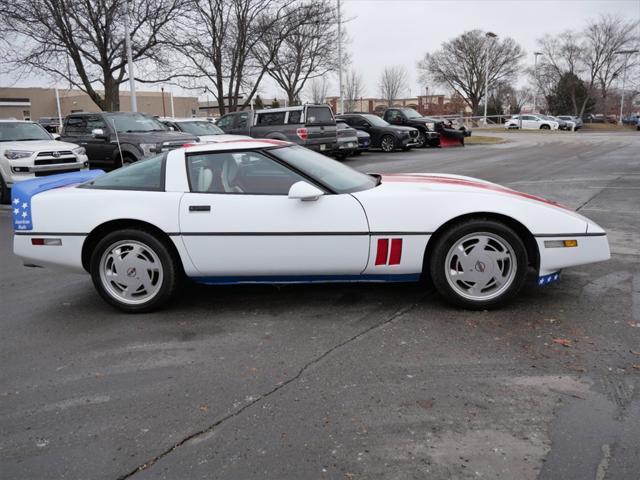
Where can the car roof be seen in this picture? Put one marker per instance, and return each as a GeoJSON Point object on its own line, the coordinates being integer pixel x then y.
{"type": "Point", "coordinates": [243, 144]}
{"type": "Point", "coordinates": [184, 119]}
{"type": "Point", "coordinates": [14, 120]}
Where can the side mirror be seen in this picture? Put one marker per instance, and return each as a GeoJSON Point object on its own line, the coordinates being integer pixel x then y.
{"type": "Point", "coordinates": [98, 133]}
{"type": "Point", "coordinates": [304, 191]}
{"type": "Point", "coordinates": [55, 136]}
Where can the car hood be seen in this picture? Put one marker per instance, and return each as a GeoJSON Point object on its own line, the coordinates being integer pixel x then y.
{"type": "Point", "coordinates": [38, 145]}
{"type": "Point", "coordinates": [399, 128]}
{"type": "Point", "coordinates": [156, 137]}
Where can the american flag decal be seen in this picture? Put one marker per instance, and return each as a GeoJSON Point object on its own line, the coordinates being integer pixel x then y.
{"type": "Point", "coordinates": [386, 255]}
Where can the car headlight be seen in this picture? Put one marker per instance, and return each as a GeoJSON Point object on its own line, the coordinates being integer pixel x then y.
{"type": "Point", "coordinates": [79, 151]}
{"type": "Point", "coordinates": [16, 154]}
{"type": "Point", "coordinates": [148, 149]}
{"type": "Point", "coordinates": [431, 126]}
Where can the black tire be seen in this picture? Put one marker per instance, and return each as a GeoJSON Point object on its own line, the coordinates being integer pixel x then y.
{"type": "Point", "coordinates": [421, 139]}
{"type": "Point", "coordinates": [446, 241]}
{"type": "Point", "coordinates": [545, 127]}
{"type": "Point", "coordinates": [5, 192]}
{"type": "Point", "coordinates": [171, 269]}
{"type": "Point", "coordinates": [357, 153]}
{"type": "Point", "coordinates": [406, 149]}
{"type": "Point", "coordinates": [388, 143]}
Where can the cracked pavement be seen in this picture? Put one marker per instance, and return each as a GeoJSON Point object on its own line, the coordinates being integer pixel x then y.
{"type": "Point", "coordinates": [344, 381]}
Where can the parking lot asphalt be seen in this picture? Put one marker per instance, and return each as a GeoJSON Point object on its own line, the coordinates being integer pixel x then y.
{"type": "Point", "coordinates": [344, 381]}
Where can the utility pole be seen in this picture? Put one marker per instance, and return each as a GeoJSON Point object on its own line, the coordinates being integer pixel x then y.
{"type": "Point", "coordinates": [535, 74]}
{"type": "Point", "coordinates": [59, 111]}
{"type": "Point", "coordinates": [173, 113]}
{"type": "Point", "coordinates": [340, 58]}
{"type": "Point", "coordinates": [628, 53]}
{"type": "Point", "coordinates": [487, 36]}
{"type": "Point", "coordinates": [164, 110]}
{"type": "Point", "coordinates": [132, 82]}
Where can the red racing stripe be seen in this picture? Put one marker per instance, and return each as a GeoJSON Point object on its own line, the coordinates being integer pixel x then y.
{"type": "Point", "coordinates": [383, 251]}
{"type": "Point", "coordinates": [396, 251]}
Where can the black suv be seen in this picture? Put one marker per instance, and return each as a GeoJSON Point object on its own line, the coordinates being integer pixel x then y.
{"type": "Point", "coordinates": [427, 126]}
{"type": "Point", "coordinates": [383, 135]}
{"type": "Point", "coordinates": [139, 136]}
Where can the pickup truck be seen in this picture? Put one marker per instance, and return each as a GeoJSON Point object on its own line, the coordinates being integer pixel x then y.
{"type": "Point", "coordinates": [425, 125]}
{"type": "Point", "coordinates": [120, 138]}
{"type": "Point", "coordinates": [312, 126]}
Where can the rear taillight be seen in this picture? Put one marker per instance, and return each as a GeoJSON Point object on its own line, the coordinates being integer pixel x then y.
{"type": "Point", "coordinates": [302, 133]}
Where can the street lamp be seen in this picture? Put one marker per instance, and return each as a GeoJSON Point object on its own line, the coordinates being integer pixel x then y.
{"type": "Point", "coordinates": [628, 53]}
{"type": "Point", "coordinates": [486, 75]}
{"type": "Point", "coordinates": [535, 74]}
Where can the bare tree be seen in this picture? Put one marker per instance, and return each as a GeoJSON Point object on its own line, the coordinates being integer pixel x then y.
{"type": "Point", "coordinates": [229, 46]}
{"type": "Point", "coordinates": [307, 52]}
{"type": "Point", "coordinates": [83, 41]}
{"type": "Point", "coordinates": [393, 80]}
{"type": "Point", "coordinates": [319, 88]}
{"type": "Point", "coordinates": [460, 64]}
{"type": "Point", "coordinates": [353, 89]}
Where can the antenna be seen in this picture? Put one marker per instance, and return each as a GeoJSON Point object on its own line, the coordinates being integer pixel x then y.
{"type": "Point", "coordinates": [113, 122]}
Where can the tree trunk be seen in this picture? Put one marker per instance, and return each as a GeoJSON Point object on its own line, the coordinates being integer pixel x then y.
{"type": "Point", "coordinates": [111, 95]}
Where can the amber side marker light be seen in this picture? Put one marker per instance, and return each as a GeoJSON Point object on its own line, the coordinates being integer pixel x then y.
{"type": "Point", "coordinates": [560, 243]}
{"type": "Point", "coordinates": [52, 242]}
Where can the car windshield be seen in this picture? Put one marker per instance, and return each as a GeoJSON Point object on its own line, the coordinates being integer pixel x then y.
{"type": "Point", "coordinates": [22, 131]}
{"type": "Point", "coordinates": [411, 113]}
{"type": "Point", "coordinates": [200, 128]}
{"type": "Point", "coordinates": [376, 121]}
{"type": "Point", "coordinates": [335, 175]}
{"type": "Point", "coordinates": [135, 122]}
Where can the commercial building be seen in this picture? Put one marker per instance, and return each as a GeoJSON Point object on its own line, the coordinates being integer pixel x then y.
{"type": "Point", "coordinates": [424, 104]}
{"type": "Point", "coordinates": [35, 103]}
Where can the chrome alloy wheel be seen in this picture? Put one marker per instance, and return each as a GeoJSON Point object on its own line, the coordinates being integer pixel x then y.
{"type": "Point", "coordinates": [388, 144]}
{"type": "Point", "coordinates": [421, 139]}
{"type": "Point", "coordinates": [131, 272]}
{"type": "Point", "coordinates": [480, 266]}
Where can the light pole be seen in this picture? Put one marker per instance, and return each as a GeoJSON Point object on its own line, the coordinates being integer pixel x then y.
{"type": "Point", "coordinates": [486, 73]}
{"type": "Point", "coordinates": [535, 74]}
{"type": "Point", "coordinates": [340, 58]}
{"type": "Point", "coordinates": [132, 82]}
{"type": "Point", "coordinates": [628, 53]}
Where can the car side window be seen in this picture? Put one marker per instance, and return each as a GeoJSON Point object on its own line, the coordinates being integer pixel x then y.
{"type": "Point", "coordinates": [76, 126]}
{"type": "Point", "coordinates": [393, 115]}
{"type": "Point", "coordinates": [142, 175]}
{"type": "Point", "coordinates": [358, 122]}
{"type": "Point", "coordinates": [271, 118]}
{"type": "Point", "coordinates": [95, 122]}
{"type": "Point", "coordinates": [249, 173]}
{"type": "Point", "coordinates": [241, 120]}
{"type": "Point", "coordinates": [320, 116]}
{"type": "Point", "coordinates": [225, 122]}
{"type": "Point", "coordinates": [294, 117]}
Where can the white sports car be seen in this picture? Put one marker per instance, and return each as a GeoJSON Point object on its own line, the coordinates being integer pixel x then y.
{"type": "Point", "coordinates": [272, 212]}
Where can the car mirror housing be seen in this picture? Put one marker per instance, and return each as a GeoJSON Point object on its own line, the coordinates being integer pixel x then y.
{"type": "Point", "coordinates": [304, 191]}
{"type": "Point", "coordinates": [98, 133]}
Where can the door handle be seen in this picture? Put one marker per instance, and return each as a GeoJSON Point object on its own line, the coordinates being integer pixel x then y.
{"type": "Point", "coordinates": [199, 208]}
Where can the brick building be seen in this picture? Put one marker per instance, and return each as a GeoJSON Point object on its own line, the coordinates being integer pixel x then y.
{"type": "Point", "coordinates": [34, 103]}
{"type": "Point", "coordinates": [424, 104]}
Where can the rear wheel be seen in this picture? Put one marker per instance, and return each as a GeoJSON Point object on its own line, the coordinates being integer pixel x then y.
{"type": "Point", "coordinates": [478, 264]}
{"type": "Point", "coordinates": [5, 192]}
{"type": "Point", "coordinates": [134, 271]}
{"type": "Point", "coordinates": [388, 143]}
{"type": "Point", "coordinates": [545, 127]}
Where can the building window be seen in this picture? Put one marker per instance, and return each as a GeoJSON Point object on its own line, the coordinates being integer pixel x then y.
{"type": "Point", "coordinates": [26, 114]}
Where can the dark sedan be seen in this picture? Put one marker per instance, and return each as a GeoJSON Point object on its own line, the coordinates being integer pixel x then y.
{"type": "Point", "coordinates": [383, 135]}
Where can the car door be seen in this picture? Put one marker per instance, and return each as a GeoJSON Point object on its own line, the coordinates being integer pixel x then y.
{"type": "Point", "coordinates": [78, 130]}
{"type": "Point", "coordinates": [240, 124]}
{"type": "Point", "coordinates": [237, 221]}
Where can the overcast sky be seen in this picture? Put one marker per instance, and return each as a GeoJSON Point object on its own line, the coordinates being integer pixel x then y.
{"type": "Point", "coordinates": [399, 32]}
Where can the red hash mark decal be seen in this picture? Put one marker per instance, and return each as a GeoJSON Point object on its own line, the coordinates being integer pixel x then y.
{"type": "Point", "coordinates": [383, 251]}
{"type": "Point", "coordinates": [396, 251]}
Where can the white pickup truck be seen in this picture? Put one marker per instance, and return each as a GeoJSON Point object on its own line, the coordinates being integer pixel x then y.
{"type": "Point", "coordinates": [27, 151]}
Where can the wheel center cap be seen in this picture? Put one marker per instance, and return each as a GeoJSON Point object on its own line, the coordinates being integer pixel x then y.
{"type": "Point", "coordinates": [480, 266]}
{"type": "Point", "coordinates": [131, 272]}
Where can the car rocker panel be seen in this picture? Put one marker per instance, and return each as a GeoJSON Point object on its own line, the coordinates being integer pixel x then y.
{"type": "Point", "coordinates": [374, 234]}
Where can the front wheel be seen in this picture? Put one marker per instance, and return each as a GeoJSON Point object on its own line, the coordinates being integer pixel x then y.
{"type": "Point", "coordinates": [421, 140]}
{"type": "Point", "coordinates": [388, 144]}
{"type": "Point", "coordinates": [545, 127]}
{"type": "Point", "coordinates": [478, 264]}
{"type": "Point", "coordinates": [134, 271]}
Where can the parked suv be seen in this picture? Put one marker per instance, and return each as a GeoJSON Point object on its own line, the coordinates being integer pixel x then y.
{"type": "Point", "coordinates": [204, 129]}
{"type": "Point", "coordinates": [383, 135]}
{"type": "Point", "coordinates": [428, 128]}
{"type": "Point", "coordinates": [27, 150]}
{"type": "Point", "coordinates": [120, 138]}
{"type": "Point", "coordinates": [312, 126]}
{"type": "Point", "coordinates": [531, 122]}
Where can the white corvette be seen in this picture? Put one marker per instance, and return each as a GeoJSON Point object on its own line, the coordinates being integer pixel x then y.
{"type": "Point", "coordinates": [268, 211]}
